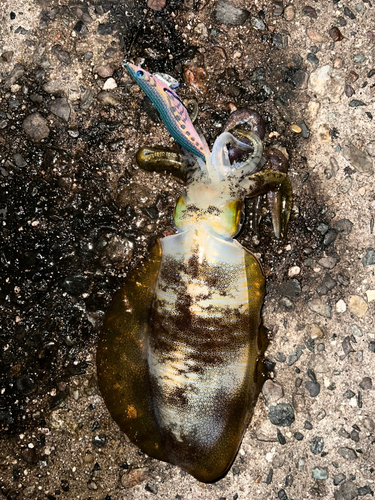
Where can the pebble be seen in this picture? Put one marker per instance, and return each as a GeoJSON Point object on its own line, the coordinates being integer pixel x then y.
{"type": "Point", "coordinates": [314, 331]}
{"type": "Point", "coordinates": [290, 288]}
{"type": "Point", "coordinates": [347, 453]}
{"type": "Point", "coordinates": [152, 488]}
{"type": "Point", "coordinates": [346, 185]}
{"type": "Point", "coordinates": [294, 271]}
{"type": "Point", "coordinates": [19, 160]}
{"type": "Point", "coordinates": [330, 237]}
{"type": "Point", "coordinates": [107, 97]}
{"type": "Point", "coordinates": [286, 304]}
{"type": "Point", "coordinates": [319, 307]}
{"type": "Point", "coordinates": [366, 383]}
{"type": "Point", "coordinates": [369, 424]}
{"type": "Point", "coordinates": [359, 58]}
{"type": "Point", "coordinates": [369, 257]}
{"type": "Point", "coordinates": [61, 108]}
{"type": "Point", "coordinates": [105, 29]}
{"type": "Point", "coordinates": [277, 8]}
{"type": "Point", "coordinates": [343, 226]}
{"type": "Point", "coordinates": [340, 306]}
{"type": "Point", "coordinates": [370, 295]}
{"type": "Point", "coordinates": [266, 432]}
{"type": "Point", "coordinates": [110, 84]}
{"type": "Point", "coordinates": [316, 445]}
{"type": "Point", "coordinates": [104, 71]}
{"type": "Point", "coordinates": [313, 388]}
{"type": "Point", "coordinates": [227, 13]}
{"type": "Point", "coordinates": [349, 13]}
{"type": "Point", "coordinates": [298, 436]}
{"type": "Point", "coordinates": [133, 477]}
{"type": "Point", "coordinates": [278, 460]}
{"type": "Point", "coordinates": [281, 414]}
{"type": "Point", "coordinates": [349, 394]}
{"type": "Point", "coordinates": [280, 437]}
{"type": "Point", "coordinates": [289, 13]}
{"type": "Point", "coordinates": [365, 490]}
{"type": "Point", "coordinates": [35, 127]}
{"type": "Point", "coordinates": [328, 82]}
{"type": "Point", "coordinates": [156, 4]}
{"type": "Point", "coordinates": [323, 133]}
{"type": "Point", "coordinates": [61, 54]}
{"type": "Point", "coordinates": [338, 479]}
{"type": "Point", "coordinates": [272, 391]}
{"type": "Point", "coordinates": [296, 354]}
{"type": "Point", "coordinates": [314, 36]}
{"type": "Point", "coordinates": [295, 128]}
{"type": "Point", "coordinates": [358, 159]}
{"type": "Point", "coordinates": [14, 75]}
{"type": "Point", "coordinates": [327, 284]}
{"type": "Point", "coordinates": [357, 305]}
{"type": "Point", "coordinates": [305, 130]}
{"type": "Point", "coordinates": [335, 34]}
{"type": "Point", "coordinates": [346, 491]}
{"type": "Point", "coordinates": [320, 473]}
{"type": "Point", "coordinates": [355, 103]}
{"type": "Point", "coordinates": [81, 28]}
{"type": "Point", "coordinates": [309, 12]}
{"type": "Point", "coordinates": [328, 262]}
{"type": "Point", "coordinates": [257, 23]}
{"type": "Point", "coordinates": [312, 59]}
{"type": "Point", "coordinates": [347, 346]}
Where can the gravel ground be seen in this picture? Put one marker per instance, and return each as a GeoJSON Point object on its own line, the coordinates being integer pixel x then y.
{"type": "Point", "coordinates": [77, 215]}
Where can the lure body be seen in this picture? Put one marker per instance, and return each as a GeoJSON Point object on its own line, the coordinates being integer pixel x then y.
{"type": "Point", "coordinates": [179, 353]}
{"type": "Point", "coordinates": [171, 109]}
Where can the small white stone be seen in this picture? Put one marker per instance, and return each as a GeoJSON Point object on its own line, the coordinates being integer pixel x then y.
{"type": "Point", "coordinates": [370, 295]}
{"type": "Point", "coordinates": [109, 84]}
{"type": "Point", "coordinates": [340, 306]}
{"type": "Point", "coordinates": [294, 271]}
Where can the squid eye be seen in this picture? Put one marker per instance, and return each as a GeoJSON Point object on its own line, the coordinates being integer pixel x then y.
{"type": "Point", "coordinates": [140, 73]}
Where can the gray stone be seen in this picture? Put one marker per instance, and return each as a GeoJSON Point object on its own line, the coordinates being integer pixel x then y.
{"type": "Point", "coordinates": [316, 445]}
{"type": "Point", "coordinates": [296, 354]}
{"type": "Point", "coordinates": [347, 453]}
{"type": "Point", "coordinates": [320, 473]}
{"type": "Point", "coordinates": [319, 307]}
{"type": "Point", "coordinates": [328, 262]}
{"type": "Point", "coordinates": [366, 383]}
{"type": "Point", "coordinates": [281, 414]}
{"type": "Point", "coordinates": [358, 159]}
{"type": "Point", "coordinates": [257, 23]}
{"type": "Point", "coordinates": [35, 127]}
{"type": "Point", "coordinates": [343, 226]}
{"type": "Point", "coordinates": [338, 479]}
{"type": "Point", "coordinates": [272, 391]}
{"type": "Point", "coordinates": [347, 491]}
{"type": "Point", "coordinates": [227, 13]}
{"type": "Point", "coordinates": [61, 108]}
{"type": "Point", "coordinates": [369, 424]}
{"type": "Point", "coordinates": [19, 160]}
{"type": "Point", "coordinates": [313, 388]}
{"type": "Point", "coordinates": [369, 258]}
{"type": "Point", "coordinates": [61, 54]}
{"type": "Point", "coordinates": [14, 75]}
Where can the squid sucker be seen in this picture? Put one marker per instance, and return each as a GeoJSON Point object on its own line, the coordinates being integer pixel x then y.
{"type": "Point", "coordinates": [180, 351]}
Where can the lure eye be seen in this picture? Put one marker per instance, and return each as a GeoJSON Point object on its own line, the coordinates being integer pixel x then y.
{"type": "Point", "coordinates": [140, 73]}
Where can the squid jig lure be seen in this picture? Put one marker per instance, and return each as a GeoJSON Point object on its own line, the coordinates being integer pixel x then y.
{"type": "Point", "coordinates": [179, 354]}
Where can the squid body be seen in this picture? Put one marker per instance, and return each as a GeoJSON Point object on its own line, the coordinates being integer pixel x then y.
{"type": "Point", "coordinates": [179, 355]}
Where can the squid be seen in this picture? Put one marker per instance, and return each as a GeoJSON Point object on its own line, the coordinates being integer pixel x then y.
{"type": "Point", "coordinates": [180, 352]}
